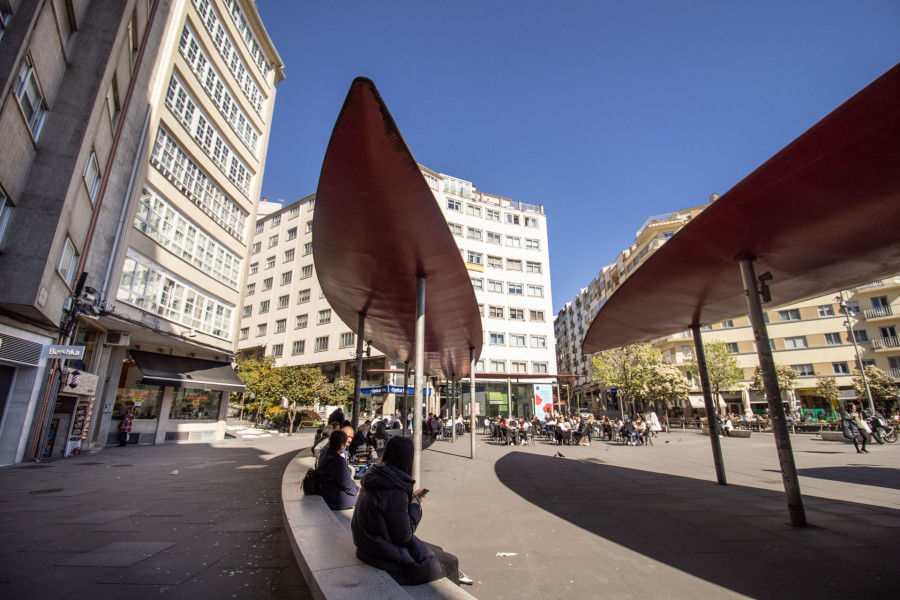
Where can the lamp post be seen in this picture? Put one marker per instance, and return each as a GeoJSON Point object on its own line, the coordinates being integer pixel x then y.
{"type": "Point", "coordinates": [845, 308]}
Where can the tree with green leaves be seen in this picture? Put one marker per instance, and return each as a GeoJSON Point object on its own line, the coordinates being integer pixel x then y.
{"type": "Point", "coordinates": [827, 388]}
{"type": "Point", "coordinates": [339, 392]}
{"type": "Point", "coordinates": [786, 378]}
{"type": "Point", "coordinates": [881, 385]}
{"type": "Point", "coordinates": [666, 385]}
{"type": "Point", "coordinates": [723, 368]}
{"type": "Point", "coordinates": [262, 379]}
{"type": "Point", "coordinates": [300, 387]}
{"type": "Point", "coordinates": [627, 369]}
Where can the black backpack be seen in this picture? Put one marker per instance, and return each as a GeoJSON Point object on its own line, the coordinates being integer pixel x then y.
{"type": "Point", "coordinates": [311, 483]}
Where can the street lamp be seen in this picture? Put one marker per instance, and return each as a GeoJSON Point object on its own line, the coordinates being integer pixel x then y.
{"type": "Point", "coordinates": [845, 308]}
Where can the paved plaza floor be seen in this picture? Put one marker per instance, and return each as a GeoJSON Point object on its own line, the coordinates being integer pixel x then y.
{"type": "Point", "coordinates": [603, 521]}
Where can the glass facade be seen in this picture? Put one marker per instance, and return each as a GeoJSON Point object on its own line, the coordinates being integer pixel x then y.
{"type": "Point", "coordinates": [191, 403]}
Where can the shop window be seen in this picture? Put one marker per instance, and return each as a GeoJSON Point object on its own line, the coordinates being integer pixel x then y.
{"type": "Point", "coordinates": [134, 394]}
{"type": "Point", "coordinates": [196, 404]}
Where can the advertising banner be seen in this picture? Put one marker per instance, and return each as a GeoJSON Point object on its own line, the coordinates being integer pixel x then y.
{"type": "Point", "coordinates": [543, 400]}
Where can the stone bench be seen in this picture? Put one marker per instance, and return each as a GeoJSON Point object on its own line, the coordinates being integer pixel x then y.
{"type": "Point", "coordinates": [735, 433]}
{"type": "Point", "coordinates": [323, 547]}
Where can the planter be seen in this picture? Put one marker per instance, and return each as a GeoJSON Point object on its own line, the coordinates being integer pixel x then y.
{"type": "Point", "coordinates": [833, 436]}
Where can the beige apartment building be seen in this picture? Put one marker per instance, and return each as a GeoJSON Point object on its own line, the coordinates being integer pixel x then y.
{"type": "Point", "coordinates": [505, 246]}
{"type": "Point", "coordinates": [812, 337]}
{"type": "Point", "coordinates": [135, 136]}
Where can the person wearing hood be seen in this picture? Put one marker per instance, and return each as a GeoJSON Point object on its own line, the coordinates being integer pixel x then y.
{"type": "Point", "coordinates": [337, 415]}
{"type": "Point", "coordinates": [335, 481]}
{"type": "Point", "coordinates": [385, 520]}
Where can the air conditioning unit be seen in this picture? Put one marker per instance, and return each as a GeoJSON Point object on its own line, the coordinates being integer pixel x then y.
{"type": "Point", "coordinates": [117, 338]}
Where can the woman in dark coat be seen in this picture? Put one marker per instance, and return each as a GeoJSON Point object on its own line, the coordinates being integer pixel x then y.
{"type": "Point", "coordinates": [385, 520]}
{"type": "Point", "coordinates": [333, 478]}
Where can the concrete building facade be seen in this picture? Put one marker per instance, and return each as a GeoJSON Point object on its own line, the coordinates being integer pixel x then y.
{"type": "Point", "coordinates": [136, 133]}
{"type": "Point", "coordinates": [505, 246]}
{"type": "Point", "coordinates": [812, 337]}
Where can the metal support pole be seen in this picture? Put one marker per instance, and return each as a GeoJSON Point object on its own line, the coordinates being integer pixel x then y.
{"type": "Point", "coordinates": [773, 397]}
{"type": "Point", "coordinates": [509, 398]}
{"type": "Point", "coordinates": [472, 423]}
{"type": "Point", "coordinates": [357, 382]}
{"type": "Point", "coordinates": [453, 418]}
{"type": "Point", "coordinates": [406, 417]}
{"type": "Point", "coordinates": [708, 402]}
{"type": "Point", "coordinates": [419, 379]}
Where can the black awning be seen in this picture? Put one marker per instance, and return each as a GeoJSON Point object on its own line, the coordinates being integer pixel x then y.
{"type": "Point", "coordinates": [181, 371]}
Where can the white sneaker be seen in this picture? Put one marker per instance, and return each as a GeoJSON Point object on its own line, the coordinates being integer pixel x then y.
{"type": "Point", "coordinates": [465, 579]}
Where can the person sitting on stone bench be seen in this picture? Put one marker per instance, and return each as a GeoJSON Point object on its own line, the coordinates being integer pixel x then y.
{"type": "Point", "coordinates": [333, 474]}
{"type": "Point", "coordinates": [385, 520]}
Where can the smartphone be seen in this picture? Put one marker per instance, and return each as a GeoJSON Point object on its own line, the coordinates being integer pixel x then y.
{"type": "Point", "coordinates": [420, 493]}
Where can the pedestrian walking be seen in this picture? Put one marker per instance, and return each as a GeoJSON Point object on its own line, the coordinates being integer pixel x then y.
{"type": "Point", "coordinates": [854, 428]}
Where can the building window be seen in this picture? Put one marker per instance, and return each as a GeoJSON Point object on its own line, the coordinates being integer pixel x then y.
{"type": "Point", "coordinates": [280, 325]}
{"type": "Point", "coordinates": [792, 314]}
{"type": "Point", "coordinates": [270, 262]}
{"type": "Point", "coordinates": [494, 262]}
{"type": "Point", "coordinates": [513, 241]}
{"type": "Point", "coordinates": [473, 210]}
{"type": "Point", "coordinates": [517, 314]}
{"type": "Point", "coordinates": [538, 341]}
{"type": "Point", "coordinates": [321, 344]}
{"type": "Point", "coordinates": [536, 315]}
{"type": "Point", "coordinates": [5, 210]}
{"type": "Point", "coordinates": [840, 368]}
{"type": "Point", "coordinates": [273, 241]}
{"type": "Point", "coordinates": [495, 286]}
{"type": "Point", "coordinates": [298, 347]}
{"type": "Point", "coordinates": [478, 283]}
{"type": "Point", "coordinates": [481, 309]}
{"type": "Point", "coordinates": [533, 267]}
{"type": "Point", "coordinates": [804, 370]}
{"type": "Point", "coordinates": [302, 296]}
{"type": "Point", "coordinates": [512, 219]}
{"type": "Point", "coordinates": [264, 307]}
{"type": "Point", "coordinates": [251, 289]}
{"type": "Point", "coordinates": [732, 347]}
{"type": "Point", "coordinates": [307, 248]}
{"type": "Point", "coordinates": [454, 205]}
{"type": "Point", "coordinates": [473, 234]}
{"type": "Point", "coordinates": [309, 226]}
{"type": "Point", "coordinates": [514, 289]}
{"type": "Point", "coordinates": [475, 258]}
{"type": "Point", "coordinates": [497, 339]}
{"type": "Point", "coordinates": [494, 238]}
{"type": "Point", "coordinates": [5, 16]}
{"type": "Point", "coordinates": [513, 264]}
{"type": "Point", "coordinates": [727, 324]}
{"type": "Point", "coordinates": [324, 316]}
{"type": "Point", "coordinates": [861, 336]}
{"type": "Point", "coordinates": [498, 366]}
{"type": "Point", "coordinates": [516, 340]}
{"type": "Point", "coordinates": [833, 339]}
{"type": "Point", "coordinates": [286, 277]}
{"type": "Point", "coordinates": [277, 350]}
{"type": "Point", "coordinates": [30, 97]}
{"type": "Point", "coordinates": [531, 222]}
{"type": "Point", "coordinates": [532, 244]}
{"type": "Point", "coordinates": [495, 312]}
{"type": "Point", "coordinates": [492, 215]}
{"type": "Point", "coordinates": [455, 229]}
{"type": "Point", "coordinates": [254, 268]}
{"type": "Point", "coordinates": [539, 368]}
{"type": "Point", "coordinates": [292, 234]}
{"type": "Point", "coordinates": [245, 333]}
{"type": "Point", "coordinates": [536, 291]}
{"type": "Point", "coordinates": [276, 221]}
{"type": "Point", "coordinates": [68, 262]}
{"type": "Point", "coordinates": [259, 227]}
{"type": "Point", "coordinates": [306, 272]}
{"type": "Point", "coordinates": [288, 255]}
{"type": "Point", "coordinates": [260, 329]}
{"type": "Point", "coordinates": [348, 339]}
{"type": "Point", "coordinates": [300, 321]}
{"type": "Point", "coordinates": [826, 310]}
{"type": "Point", "coordinates": [248, 310]}
{"type": "Point", "coordinates": [792, 343]}
{"type": "Point", "coordinates": [257, 246]}
{"type": "Point", "coordinates": [283, 301]}
{"type": "Point", "coordinates": [92, 176]}
{"type": "Point", "coordinates": [267, 284]}
{"type": "Point", "coordinates": [519, 367]}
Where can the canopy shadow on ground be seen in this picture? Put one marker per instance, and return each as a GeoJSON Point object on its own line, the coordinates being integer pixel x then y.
{"type": "Point", "coordinates": [736, 537]}
{"type": "Point", "coordinates": [859, 474]}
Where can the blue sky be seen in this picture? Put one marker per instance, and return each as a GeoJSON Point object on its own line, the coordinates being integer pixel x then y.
{"type": "Point", "coordinates": [605, 112]}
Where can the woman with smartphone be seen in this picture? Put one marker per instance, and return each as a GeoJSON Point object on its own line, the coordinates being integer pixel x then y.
{"type": "Point", "coordinates": [385, 520]}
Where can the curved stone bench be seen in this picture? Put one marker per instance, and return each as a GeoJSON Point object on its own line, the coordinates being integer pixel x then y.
{"type": "Point", "coordinates": [324, 550]}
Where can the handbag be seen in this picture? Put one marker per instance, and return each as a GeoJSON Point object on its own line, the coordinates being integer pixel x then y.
{"type": "Point", "coordinates": [310, 483]}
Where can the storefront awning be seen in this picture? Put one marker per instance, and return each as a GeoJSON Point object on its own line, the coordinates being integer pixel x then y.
{"type": "Point", "coordinates": [181, 371]}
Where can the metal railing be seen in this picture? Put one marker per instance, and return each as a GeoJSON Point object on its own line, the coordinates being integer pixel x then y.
{"type": "Point", "coordinates": [878, 311]}
{"type": "Point", "coordinates": [886, 342]}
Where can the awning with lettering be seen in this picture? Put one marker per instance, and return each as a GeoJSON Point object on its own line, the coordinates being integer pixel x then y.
{"type": "Point", "coordinates": [182, 371]}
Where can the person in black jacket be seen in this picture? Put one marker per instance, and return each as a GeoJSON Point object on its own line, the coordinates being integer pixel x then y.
{"type": "Point", "coordinates": [385, 520]}
{"type": "Point", "coordinates": [337, 415]}
{"type": "Point", "coordinates": [335, 481]}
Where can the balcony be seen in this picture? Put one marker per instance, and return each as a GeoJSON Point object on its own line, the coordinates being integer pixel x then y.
{"type": "Point", "coordinates": [895, 373]}
{"type": "Point", "coordinates": [886, 343]}
{"type": "Point", "coordinates": [878, 313]}
{"type": "Point", "coordinates": [890, 282]}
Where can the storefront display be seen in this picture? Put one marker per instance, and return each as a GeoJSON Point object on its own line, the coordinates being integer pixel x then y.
{"type": "Point", "coordinates": [190, 403]}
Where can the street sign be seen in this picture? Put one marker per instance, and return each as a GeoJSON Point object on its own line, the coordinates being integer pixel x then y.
{"type": "Point", "coordinates": [63, 352]}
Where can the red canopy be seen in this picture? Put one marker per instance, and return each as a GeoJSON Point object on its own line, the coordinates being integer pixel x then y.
{"type": "Point", "coordinates": [376, 227]}
{"type": "Point", "coordinates": [821, 215]}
